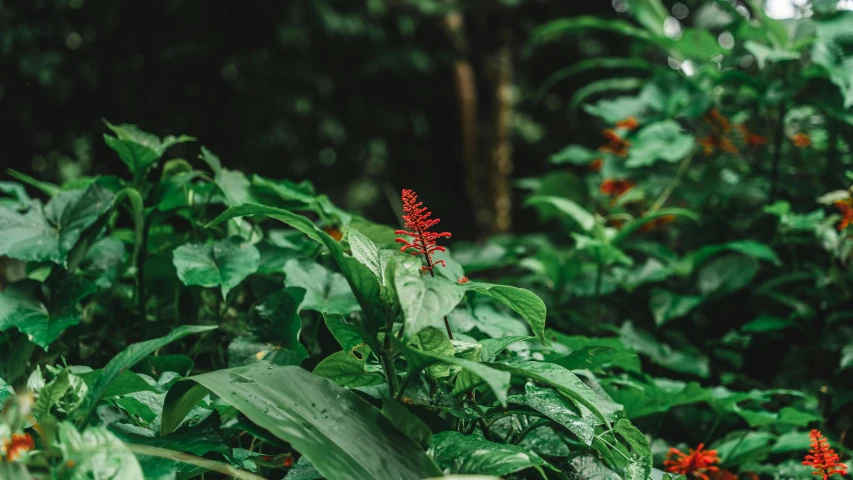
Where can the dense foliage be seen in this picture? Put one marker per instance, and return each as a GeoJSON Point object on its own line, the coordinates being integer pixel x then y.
{"type": "Point", "coordinates": [682, 310]}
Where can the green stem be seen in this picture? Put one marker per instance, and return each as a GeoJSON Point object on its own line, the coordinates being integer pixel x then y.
{"type": "Point", "coordinates": [430, 267]}
{"type": "Point", "coordinates": [664, 196]}
{"type": "Point", "coordinates": [533, 426]}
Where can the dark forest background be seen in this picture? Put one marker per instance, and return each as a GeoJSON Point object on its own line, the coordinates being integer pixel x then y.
{"type": "Point", "coordinates": [360, 97]}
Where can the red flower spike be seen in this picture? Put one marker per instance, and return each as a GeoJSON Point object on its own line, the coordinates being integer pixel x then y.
{"type": "Point", "coordinates": [596, 165]}
{"type": "Point", "coordinates": [20, 443]}
{"type": "Point", "coordinates": [615, 144]}
{"type": "Point", "coordinates": [463, 280]}
{"type": "Point", "coordinates": [616, 188]}
{"type": "Point", "coordinates": [823, 458]}
{"type": "Point", "coordinates": [629, 123]}
{"type": "Point", "coordinates": [801, 140]}
{"type": "Point", "coordinates": [718, 121]}
{"type": "Point", "coordinates": [846, 209]}
{"type": "Point", "coordinates": [657, 223]}
{"type": "Point", "coordinates": [418, 224]}
{"type": "Point", "coordinates": [696, 465]}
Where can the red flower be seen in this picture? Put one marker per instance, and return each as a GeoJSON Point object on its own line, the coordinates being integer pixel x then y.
{"type": "Point", "coordinates": [616, 188]}
{"type": "Point", "coordinates": [418, 222]}
{"type": "Point", "coordinates": [334, 233]}
{"type": "Point", "coordinates": [823, 458]}
{"type": "Point", "coordinates": [846, 208]}
{"type": "Point", "coordinates": [629, 123]}
{"type": "Point", "coordinates": [596, 165]}
{"type": "Point", "coordinates": [697, 465]}
{"type": "Point", "coordinates": [20, 443]}
{"type": "Point", "coordinates": [463, 280]}
{"type": "Point", "coordinates": [718, 121]}
{"type": "Point", "coordinates": [288, 462]}
{"type": "Point", "coordinates": [615, 144]}
{"type": "Point", "coordinates": [801, 140]}
{"type": "Point", "coordinates": [752, 140]}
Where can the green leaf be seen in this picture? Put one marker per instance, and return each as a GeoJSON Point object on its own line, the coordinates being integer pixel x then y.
{"type": "Point", "coordinates": [574, 155]}
{"type": "Point", "coordinates": [833, 50]}
{"type": "Point", "coordinates": [684, 361]}
{"type": "Point", "coordinates": [478, 373]}
{"type": "Point", "coordinates": [560, 378]}
{"type": "Point", "coordinates": [21, 306]}
{"type": "Point", "coordinates": [607, 85]}
{"type": "Point", "coordinates": [659, 141]}
{"type": "Point", "coordinates": [667, 306]}
{"type": "Point", "coordinates": [432, 340]}
{"type": "Point", "coordinates": [558, 408]}
{"type": "Point", "coordinates": [493, 346]}
{"type": "Point", "coordinates": [96, 453]}
{"type": "Point", "coordinates": [425, 300]}
{"type": "Point", "coordinates": [523, 302]}
{"type": "Point", "coordinates": [593, 358]}
{"type": "Point", "coordinates": [234, 185]}
{"type": "Point", "coordinates": [224, 264]}
{"type": "Point", "coordinates": [641, 460]}
{"type": "Point", "coordinates": [139, 149]}
{"type": "Point", "coordinates": [557, 28]}
{"type": "Point", "coordinates": [406, 422]}
{"type": "Point", "coordinates": [750, 248]}
{"type": "Point", "coordinates": [280, 312]}
{"type": "Point", "coordinates": [767, 323]}
{"type": "Point", "coordinates": [574, 211]}
{"type": "Point", "coordinates": [364, 284]}
{"type": "Point", "coordinates": [698, 44]}
{"type": "Point", "coordinates": [49, 233]}
{"type": "Point", "coordinates": [129, 357]}
{"type": "Point", "coordinates": [651, 14]}
{"type": "Point", "coordinates": [338, 432]}
{"type": "Point", "coordinates": [470, 454]}
{"type": "Point", "coordinates": [587, 65]}
{"type": "Point", "coordinates": [325, 292]}
{"type": "Point", "coordinates": [348, 371]}
{"type": "Point", "coordinates": [727, 274]}
{"type": "Point", "coordinates": [51, 393]}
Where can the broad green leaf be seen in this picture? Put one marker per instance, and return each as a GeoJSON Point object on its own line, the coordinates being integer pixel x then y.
{"type": "Point", "coordinates": [139, 149]}
{"type": "Point", "coordinates": [592, 64]}
{"type": "Point", "coordinates": [282, 323]}
{"type": "Point", "coordinates": [558, 408]}
{"type": "Point", "coordinates": [726, 274]}
{"type": "Point", "coordinates": [763, 53]}
{"type": "Point", "coordinates": [833, 50]}
{"type": "Point", "coordinates": [435, 342]}
{"type": "Point", "coordinates": [96, 453]}
{"type": "Point", "coordinates": [667, 306]}
{"type": "Point", "coordinates": [51, 393]}
{"type": "Point", "coordinates": [48, 233]}
{"type": "Point", "coordinates": [684, 361]}
{"type": "Point", "coordinates": [561, 379]}
{"type": "Point", "coordinates": [659, 141]}
{"type": "Point", "coordinates": [246, 350]}
{"type": "Point", "coordinates": [740, 447]}
{"type": "Point", "coordinates": [574, 211]}
{"type": "Point", "coordinates": [349, 336]}
{"type": "Point", "coordinates": [750, 248]}
{"type": "Point", "coordinates": [593, 358]}
{"type": "Point", "coordinates": [234, 185]}
{"type": "Point", "coordinates": [223, 264]}
{"type": "Point", "coordinates": [608, 85]}
{"type": "Point", "coordinates": [767, 323]}
{"type": "Point", "coordinates": [129, 357]}
{"type": "Point", "coordinates": [325, 292]}
{"type": "Point", "coordinates": [364, 284]}
{"type": "Point", "coordinates": [494, 346]}
{"type": "Point", "coordinates": [580, 346]}
{"type": "Point", "coordinates": [21, 306]}
{"type": "Point", "coordinates": [6, 391]}
{"type": "Point", "coordinates": [348, 371]}
{"type": "Point", "coordinates": [425, 300]}
{"type": "Point", "coordinates": [698, 44]}
{"type": "Point", "coordinates": [407, 422]}
{"type": "Point", "coordinates": [470, 454]}
{"type": "Point", "coordinates": [478, 373]}
{"type": "Point", "coordinates": [523, 302]}
{"type": "Point", "coordinates": [338, 432]}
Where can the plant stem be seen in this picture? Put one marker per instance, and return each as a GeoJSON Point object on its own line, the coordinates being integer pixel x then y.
{"type": "Point", "coordinates": [388, 359]}
{"type": "Point", "coordinates": [429, 267]}
{"type": "Point", "coordinates": [664, 196]}
{"type": "Point", "coordinates": [529, 428]}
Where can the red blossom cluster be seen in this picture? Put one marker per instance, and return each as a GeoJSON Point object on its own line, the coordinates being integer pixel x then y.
{"type": "Point", "coordinates": [699, 464]}
{"type": "Point", "coordinates": [823, 458]}
{"type": "Point", "coordinates": [18, 444]}
{"type": "Point", "coordinates": [418, 223]}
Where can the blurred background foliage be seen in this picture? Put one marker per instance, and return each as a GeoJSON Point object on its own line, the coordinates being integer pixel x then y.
{"type": "Point", "coordinates": [358, 96]}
